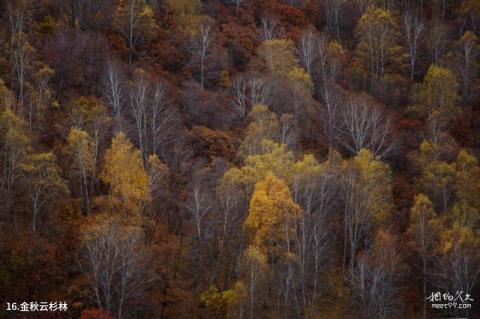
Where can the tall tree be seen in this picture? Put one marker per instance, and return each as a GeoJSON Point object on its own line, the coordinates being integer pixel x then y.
{"type": "Point", "coordinates": [423, 230]}
{"type": "Point", "coordinates": [272, 217]}
{"type": "Point", "coordinates": [413, 26]}
{"type": "Point", "coordinates": [81, 148]}
{"type": "Point", "coordinates": [21, 51]}
{"type": "Point", "coordinates": [307, 49]}
{"type": "Point", "coordinates": [123, 170]}
{"type": "Point", "coordinates": [457, 263]}
{"type": "Point", "coordinates": [15, 148]}
{"type": "Point", "coordinates": [437, 181]}
{"type": "Point", "coordinates": [332, 17]}
{"type": "Point", "coordinates": [437, 39]}
{"type": "Point", "coordinates": [377, 50]}
{"type": "Point", "coordinates": [314, 189]}
{"type": "Point", "coordinates": [330, 60]}
{"type": "Point", "coordinates": [264, 125]}
{"type": "Point", "coordinates": [89, 115]}
{"type": "Point", "coordinates": [271, 222]}
{"type": "Point", "coordinates": [202, 50]}
{"type": "Point", "coordinates": [466, 187]}
{"type": "Point", "coordinates": [40, 96]}
{"type": "Point", "coordinates": [365, 125]}
{"type": "Point", "coordinates": [114, 92]}
{"type": "Point", "coordinates": [43, 181]}
{"type": "Point", "coordinates": [378, 276]}
{"type": "Point", "coordinates": [117, 264]}
{"type": "Point", "coordinates": [466, 64]}
{"type": "Point", "coordinates": [155, 121]}
{"type": "Point", "coordinates": [437, 95]}
{"type": "Point", "coordinates": [278, 55]}
{"type": "Point", "coordinates": [256, 267]}
{"type": "Point", "coordinates": [135, 21]}
{"type": "Point", "coordinates": [367, 198]}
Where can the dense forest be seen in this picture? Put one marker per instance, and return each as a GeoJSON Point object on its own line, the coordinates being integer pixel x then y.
{"type": "Point", "coordinates": [239, 158]}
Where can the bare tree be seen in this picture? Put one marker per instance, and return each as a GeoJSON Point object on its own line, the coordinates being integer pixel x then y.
{"type": "Point", "coordinates": [81, 151]}
{"type": "Point", "coordinates": [239, 93]}
{"type": "Point", "coordinates": [424, 234]}
{"type": "Point", "coordinates": [307, 49]}
{"type": "Point", "coordinates": [365, 125]}
{"type": "Point", "coordinates": [232, 199]}
{"type": "Point", "coordinates": [288, 131]}
{"type": "Point", "coordinates": [139, 101]}
{"type": "Point", "coordinates": [163, 121]}
{"type": "Point", "coordinates": [413, 26]}
{"type": "Point", "coordinates": [117, 264]}
{"type": "Point", "coordinates": [328, 64]}
{"type": "Point", "coordinates": [314, 190]}
{"type": "Point", "coordinates": [437, 40]}
{"type": "Point", "coordinates": [356, 219]}
{"type": "Point", "coordinates": [466, 54]}
{"type": "Point", "coordinates": [201, 49]}
{"type": "Point", "coordinates": [332, 100]}
{"type": "Point", "coordinates": [113, 91]}
{"type": "Point", "coordinates": [15, 148]}
{"type": "Point", "coordinates": [457, 269]}
{"type": "Point", "coordinates": [39, 96]}
{"type": "Point", "coordinates": [259, 90]}
{"type": "Point", "coordinates": [270, 28]}
{"type": "Point", "coordinates": [330, 93]}
{"type": "Point", "coordinates": [254, 274]}
{"type": "Point", "coordinates": [199, 205]}
{"type": "Point", "coordinates": [332, 11]}
{"type": "Point", "coordinates": [376, 280]}
{"type": "Point", "coordinates": [43, 181]}
{"type": "Point", "coordinates": [155, 121]}
{"type": "Point", "coordinates": [249, 90]}
{"type": "Point", "coordinates": [20, 50]}
{"type": "Point", "coordinates": [134, 19]}
{"type": "Point", "coordinates": [232, 202]}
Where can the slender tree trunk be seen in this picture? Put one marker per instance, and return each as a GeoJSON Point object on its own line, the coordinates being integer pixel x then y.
{"type": "Point", "coordinates": [424, 288]}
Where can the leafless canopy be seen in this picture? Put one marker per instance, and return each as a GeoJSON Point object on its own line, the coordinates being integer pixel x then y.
{"type": "Point", "coordinates": [364, 124]}
{"type": "Point", "coordinates": [117, 264]}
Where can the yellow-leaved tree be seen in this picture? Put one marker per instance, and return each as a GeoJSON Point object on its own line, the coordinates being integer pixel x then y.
{"type": "Point", "coordinates": [290, 80]}
{"type": "Point", "coordinates": [264, 125]}
{"type": "Point", "coordinates": [273, 157]}
{"type": "Point", "coordinates": [218, 301]}
{"type": "Point", "coordinates": [123, 170]}
{"type": "Point", "coordinates": [281, 62]}
{"type": "Point", "coordinates": [437, 95]}
{"type": "Point", "coordinates": [377, 50]}
{"type": "Point", "coordinates": [279, 56]}
{"type": "Point", "coordinates": [271, 224]}
{"type": "Point", "coordinates": [187, 13]}
{"type": "Point", "coordinates": [272, 217]}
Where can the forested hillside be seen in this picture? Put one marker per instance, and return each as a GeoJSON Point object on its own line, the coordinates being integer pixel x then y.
{"type": "Point", "coordinates": [240, 158]}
